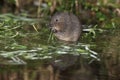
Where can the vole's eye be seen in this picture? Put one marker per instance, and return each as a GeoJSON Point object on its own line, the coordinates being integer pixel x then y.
{"type": "Point", "coordinates": [56, 20]}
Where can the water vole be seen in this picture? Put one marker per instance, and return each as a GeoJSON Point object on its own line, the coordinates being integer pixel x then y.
{"type": "Point", "coordinates": [66, 26]}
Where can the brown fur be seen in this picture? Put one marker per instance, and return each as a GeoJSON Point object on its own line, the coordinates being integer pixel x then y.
{"type": "Point", "coordinates": [66, 26]}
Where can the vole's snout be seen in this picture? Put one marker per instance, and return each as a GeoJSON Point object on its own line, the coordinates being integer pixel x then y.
{"type": "Point", "coordinates": [54, 30]}
{"type": "Point", "coordinates": [51, 27]}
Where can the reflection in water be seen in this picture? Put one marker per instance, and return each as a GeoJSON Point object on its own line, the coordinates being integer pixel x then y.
{"type": "Point", "coordinates": [73, 67]}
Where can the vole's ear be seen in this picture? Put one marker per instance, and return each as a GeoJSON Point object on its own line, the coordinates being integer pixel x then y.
{"type": "Point", "coordinates": [56, 13]}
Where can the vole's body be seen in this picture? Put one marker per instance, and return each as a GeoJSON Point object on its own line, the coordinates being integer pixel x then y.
{"type": "Point", "coordinates": [66, 26]}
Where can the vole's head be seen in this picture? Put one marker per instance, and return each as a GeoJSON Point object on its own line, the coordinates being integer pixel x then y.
{"type": "Point", "coordinates": [57, 23]}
